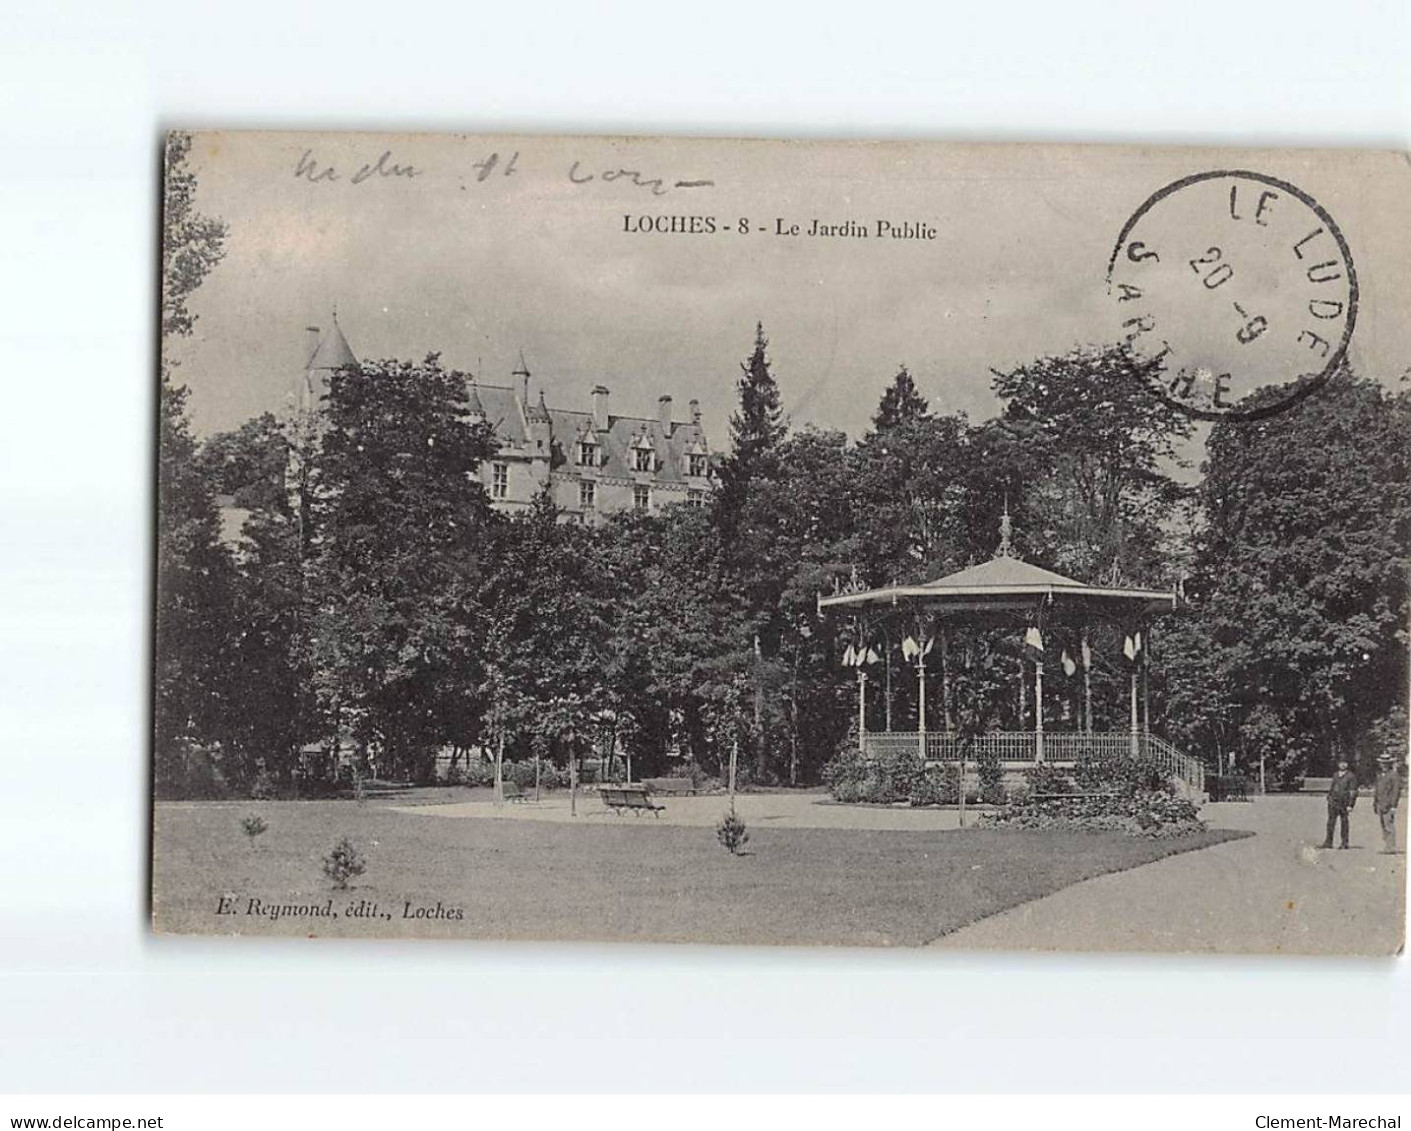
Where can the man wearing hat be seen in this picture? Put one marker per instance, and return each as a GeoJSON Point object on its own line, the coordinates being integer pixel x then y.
{"type": "Point", "coordinates": [1342, 796]}
{"type": "Point", "coordinates": [1387, 797]}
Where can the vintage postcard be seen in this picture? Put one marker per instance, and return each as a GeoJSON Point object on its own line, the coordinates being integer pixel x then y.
{"type": "Point", "coordinates": [802, 543]}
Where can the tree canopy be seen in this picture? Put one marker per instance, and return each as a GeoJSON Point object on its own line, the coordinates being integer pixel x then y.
{"type": "Point", "coordinates": [340, 585]}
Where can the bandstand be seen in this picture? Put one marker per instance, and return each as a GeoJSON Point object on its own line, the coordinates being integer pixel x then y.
{"type": "Point", "coordinates": [1007, 594]}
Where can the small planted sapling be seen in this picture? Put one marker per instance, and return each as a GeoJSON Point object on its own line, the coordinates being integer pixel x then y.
{"type": "Point", "coordinates": [343, 864]}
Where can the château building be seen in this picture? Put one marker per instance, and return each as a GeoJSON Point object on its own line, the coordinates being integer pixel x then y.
{"type": "Point", "coordinates": [593, 461]}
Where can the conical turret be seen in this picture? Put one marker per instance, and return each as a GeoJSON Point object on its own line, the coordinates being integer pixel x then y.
{"type": "Point", "coordinates": [331, 352]}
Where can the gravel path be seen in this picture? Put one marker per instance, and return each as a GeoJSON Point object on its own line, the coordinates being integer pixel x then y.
{"type": "Point", "coordinates": [763, 810]}
{"type": "Point", "coordinates": [1272, 892]}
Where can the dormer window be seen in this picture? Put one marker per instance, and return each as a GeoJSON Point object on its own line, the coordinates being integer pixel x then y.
{"type": "Point", "coordinates": [697, 464]}
{"type": "Point", "coordinates": [587, 454]}
{"type": "Point", "coordinates": [643, 459]}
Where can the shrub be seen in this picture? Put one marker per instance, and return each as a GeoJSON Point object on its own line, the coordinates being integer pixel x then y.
{"type": "Point", "coordinates": [731, 832]}
{"type": "Point", "coordinates": [1119, 775]}
{"type": "Point", "coordinates": [846, 775]}
{"type": "Point", "coordinates": [519, 773]}
{"type": "Point", "coordinates": [1045, 778]}
{"type": "Point", "coordinates": [690, 768]}
{"type": "Point", "coordinates": [253, 825]}
{"type": "Point", "coordinates": [936, 785]}
{"type": "Point", "coordinates": [896, 774]}
{"type": "Point", "coordinates": [992, 791]}
{"type": "Point", "coordinates": [262, 788]}
{"type": "Point", "coordinates": [929, 788]}
{"type": "Point", "coordinates": [344, 863]}
{"type": "Point", "coordinates": [1143, 813]}
{"type": "Point", "coordinates": [478, 773]}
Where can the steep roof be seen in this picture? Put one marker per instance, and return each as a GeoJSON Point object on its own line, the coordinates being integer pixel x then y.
{"type": "Point", "coordinates": [502, 413]}
{"type": "Point", "coordinates": [332, 351]}
{"type": "Point", "coordinates": [505, 413]}
{"type": "Point", "coordinates": [622, 436]}
{"type": "Point", "coordinates": [473, 401]}
{"type": "Point", "coordinates": [1003, 572]}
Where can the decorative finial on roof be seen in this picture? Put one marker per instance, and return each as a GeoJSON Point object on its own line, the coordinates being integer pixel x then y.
{"type": "Point", "coordinates": [523, 374]}
{"type": "Point", "coordinates": [1006, 547]}
{"type": "Point", "coordinates": [540, 412]}
{"type": "Point", "coordinates": [1114, 575]}
{"type": "Point", "coordinates": [854, 583]}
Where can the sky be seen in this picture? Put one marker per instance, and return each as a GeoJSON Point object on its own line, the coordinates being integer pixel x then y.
{"type": "Point", "coordinates": [481, 262]}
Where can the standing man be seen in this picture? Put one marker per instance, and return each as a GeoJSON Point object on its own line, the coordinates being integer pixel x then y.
{"type": "Point", "coordinates": [1387, 797]}
{"type": "Point", "coordinates": [1342, 796]}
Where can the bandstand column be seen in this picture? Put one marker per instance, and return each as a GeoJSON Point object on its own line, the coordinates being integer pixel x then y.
{"type": "Point", "coordinates": [1038, 710]}
{"type": "Point", "coordinates": [862, 711]}
{"type": "Point", "coordinates": [1023, 692]}
{"type": "Point", "coordinates": [1146, 681]}
{"type": "Point", "coordinates": [921, 702]}
{"type": "Point", "coordinates": [1087, 686]}
{"type": "Point", "coordinates": [1136, 747]}
{"type": "Point", "coordinates": [887, 702]}
{"type": "Point", "coordinates": [945, 681]}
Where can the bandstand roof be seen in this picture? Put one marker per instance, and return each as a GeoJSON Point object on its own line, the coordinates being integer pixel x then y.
{"type": "Point", "coordinates": [1002, 586]}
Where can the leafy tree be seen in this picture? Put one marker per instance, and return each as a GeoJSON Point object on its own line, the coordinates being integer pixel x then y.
{"type": "Point", "coordinates": [901, 404]}
{"type": "Point", "coordinates": [547, 650]}
{"type": "Point", "coordinates": [270, 678]}
{"type": "Point", "coordinates": [818, 539]}
{"type": "Point", "coordinates": [193, 571]}
{"type": "Point", "coordinates": [1300, 572]}
{"type": "Point", "coordinates": [194, 582]}
{"type": "Point", "coordinates": [192, 243]}
{"type": "Point", "coordinates": [402, 526]}
{"type": "Point", "coordinates": [911, 489]}
{"type": "Point", "coordinates": [1090, 444]}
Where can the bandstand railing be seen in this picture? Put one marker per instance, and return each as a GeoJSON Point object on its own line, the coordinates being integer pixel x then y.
{"type": "Point", "coordinates": [1020, 748]}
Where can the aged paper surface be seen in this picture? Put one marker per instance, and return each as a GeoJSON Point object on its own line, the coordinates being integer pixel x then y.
{"type": "Point", "coordinates": [783, 542]}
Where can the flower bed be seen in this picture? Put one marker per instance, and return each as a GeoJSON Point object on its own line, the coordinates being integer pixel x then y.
{"type": "Point", "coordinates": [1151, 813]}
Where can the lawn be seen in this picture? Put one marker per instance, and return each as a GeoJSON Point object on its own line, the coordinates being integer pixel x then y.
{"type": "Point", "coordinates": [639, 881]}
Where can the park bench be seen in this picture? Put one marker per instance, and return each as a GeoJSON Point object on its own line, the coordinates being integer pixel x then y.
{"type": "Point", "coordinates": [512, 792]}
{"type": "Point", "coordinates": [624, 798]}
{"type": "Point", "coordinates": [670, 785]}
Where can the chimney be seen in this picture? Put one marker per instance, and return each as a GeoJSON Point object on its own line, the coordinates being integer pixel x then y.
{"type": "Point", "coordinates": [600, 407]}
{"type": "Point", "coordinates": [695, 412]}
{"type": "Point", "coordinates": [311, 335]}
{"type": "Point", "coordinates": [664, 414]}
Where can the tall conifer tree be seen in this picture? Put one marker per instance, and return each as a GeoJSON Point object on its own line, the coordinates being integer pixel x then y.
{"type": "Point", "coordinates": [900, 404]}
{"type": "Point", "coordinates": [757, 428]}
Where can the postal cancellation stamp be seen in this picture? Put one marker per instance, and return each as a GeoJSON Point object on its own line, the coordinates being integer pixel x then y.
{"type": "Point", "coordinates": [1239, 287]}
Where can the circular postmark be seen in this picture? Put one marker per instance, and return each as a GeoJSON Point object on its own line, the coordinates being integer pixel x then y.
{"type": "Point", "coordinates": [1238, 289]}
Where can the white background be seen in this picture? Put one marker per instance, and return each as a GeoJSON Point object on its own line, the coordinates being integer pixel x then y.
{"type": "Point", "coordinates": [89, 1000]}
